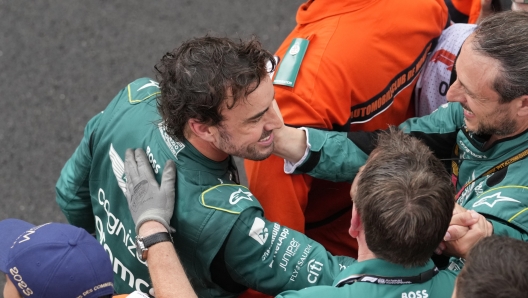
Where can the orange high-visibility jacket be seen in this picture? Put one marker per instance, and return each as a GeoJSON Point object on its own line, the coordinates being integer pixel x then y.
{"type": "Point", "coordinates": [358, 73]}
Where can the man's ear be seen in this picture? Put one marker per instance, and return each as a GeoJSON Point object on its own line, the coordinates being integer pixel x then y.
{"type": "Point", "coordinates": [355, 223]}
{"type": "Point", "coordinates": [203, 131]}
{"type": "Point", "coordinates": [523, 106]}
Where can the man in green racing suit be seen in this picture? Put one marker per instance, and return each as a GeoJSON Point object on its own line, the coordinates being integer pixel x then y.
{"type": "Point", "coordinates": [216, 99]}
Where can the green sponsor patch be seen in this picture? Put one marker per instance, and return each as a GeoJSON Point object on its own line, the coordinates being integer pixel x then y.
{"type": "Point", "coordinates": [232, 198]}
{"type": "Point", "coordinates": [291, 63]}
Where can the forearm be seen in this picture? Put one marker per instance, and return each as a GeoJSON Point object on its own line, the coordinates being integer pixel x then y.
{"type": "Point", "coordinates": [167, 274]}
{"type": "Point", "coordinates": [332, 156]}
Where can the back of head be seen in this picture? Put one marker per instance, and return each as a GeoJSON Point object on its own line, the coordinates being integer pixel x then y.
{"type": "Point", "coordinates": [54, 260]}
{"type": "Point", "coordinates": [504, 37]}
{"type": "Point", "coordinates": [197, 78]}
{"type": "Point", "coordinates": [405, 200]}
{"type": "Point", "coordinates": [495, 267]}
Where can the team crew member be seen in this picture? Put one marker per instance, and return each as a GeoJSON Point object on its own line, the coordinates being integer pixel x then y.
{"type": "Point", "coordinates": [215, 98]}
{"type": "Point", "coordinates": [438, 72]}
{"type": "Point", "coordinates": [403, 201]}
{"type": "Point", "coordinates": [52, 260]}
{"type": "Point", "coordinates": [483, 130]}
{"type": "Point", "coordinates": [495, 267]}
{"type": "Point", "coordinates": [361, 61]}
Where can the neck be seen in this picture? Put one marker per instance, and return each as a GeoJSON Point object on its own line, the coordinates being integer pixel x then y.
{"type": "Point", "coordinates": [208, 149]}
{"type": "Point", "coordinates": [364, 252]}
{"type": "Point", "coordinates": [494, 138]}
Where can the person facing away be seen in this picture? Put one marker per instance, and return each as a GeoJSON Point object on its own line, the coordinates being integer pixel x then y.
{"type": "Point", "coordinates": [214, 98]}
{"type": "Point", "coordinates": [403, 202]}
{"type": "Point", "coordinates": [53, 260]}
{"type": "Point", "coordinates": [496, 267]}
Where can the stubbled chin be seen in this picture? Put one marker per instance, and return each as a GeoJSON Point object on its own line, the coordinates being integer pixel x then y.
{"type": "Point", "coordinates": [470, 127]}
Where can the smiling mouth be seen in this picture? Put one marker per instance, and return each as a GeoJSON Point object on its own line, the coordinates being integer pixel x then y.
{"type": "Point", "coordinates": [265, 136]}
{"type": "Point", "coordinates": [265, 139]}
{"type": "Point", "coordinates": [467, 110]}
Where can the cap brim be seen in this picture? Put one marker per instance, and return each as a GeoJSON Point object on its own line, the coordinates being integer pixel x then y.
{"type": "Point", "coordinates": [10, 230]}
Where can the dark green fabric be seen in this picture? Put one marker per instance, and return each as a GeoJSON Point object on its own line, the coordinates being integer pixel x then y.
{"type": "Point", "coordinates": [441, 285]}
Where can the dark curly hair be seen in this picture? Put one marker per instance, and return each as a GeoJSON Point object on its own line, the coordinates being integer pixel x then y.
{"type": "Point", "coordinates": [196, 78]}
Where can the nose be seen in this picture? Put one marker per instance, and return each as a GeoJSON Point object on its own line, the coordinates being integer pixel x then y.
{"type": "Point", "coordinates": [274, 118]}
{"type": "Point", "coordinates": [455, 93]}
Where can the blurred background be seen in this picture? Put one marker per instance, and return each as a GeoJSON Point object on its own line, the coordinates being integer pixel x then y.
{"type": "Point", "coordinates": [61, 62]}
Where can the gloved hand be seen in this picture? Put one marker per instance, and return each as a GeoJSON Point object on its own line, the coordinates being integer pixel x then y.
{"type": "Point", "coordinates": [147, 200]}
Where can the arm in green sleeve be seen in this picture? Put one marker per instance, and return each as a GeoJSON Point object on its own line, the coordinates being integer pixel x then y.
{"type": "Point", "coordinates": [503, 229]}
{"type": "Point", "coordinates": [73, 193]}
{"type": "Point", "coordinates": [331, 156]}
{"type": "Point", "coordinates": [337, 156]}
{"type": "Point", "coordinates": [271, 258]}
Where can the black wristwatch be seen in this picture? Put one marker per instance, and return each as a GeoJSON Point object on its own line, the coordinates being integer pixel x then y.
{"type": "Point", "coordinates": [143, 243]}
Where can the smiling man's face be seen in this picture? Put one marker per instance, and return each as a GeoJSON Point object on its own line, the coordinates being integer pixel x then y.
{"type": "Point", "coordinates": [247, 130]}
{"type": "Point", "coordinates": [483, 113]}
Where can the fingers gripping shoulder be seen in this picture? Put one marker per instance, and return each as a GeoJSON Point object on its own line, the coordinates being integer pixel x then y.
{"type": "Point", "coordinates": [231, 198]}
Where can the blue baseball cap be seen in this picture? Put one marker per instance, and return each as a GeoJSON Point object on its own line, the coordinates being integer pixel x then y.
{"type": "Point", "coordinates": [54, 260]}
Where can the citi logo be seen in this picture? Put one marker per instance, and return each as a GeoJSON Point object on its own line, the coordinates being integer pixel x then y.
{"type": "Point", "coordinates": [239, 195]}
{"type": "Point", "coordinates": [258, 231]}
{"type": "Point", "coordinates": [314, 268]}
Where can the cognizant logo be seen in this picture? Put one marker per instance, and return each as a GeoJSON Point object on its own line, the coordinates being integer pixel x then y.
{"type": "Point", "coordinates": [113, 227]}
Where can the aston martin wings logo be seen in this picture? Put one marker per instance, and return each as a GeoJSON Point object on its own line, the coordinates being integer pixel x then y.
{"type": "Point", "coordinates": [118, 166]}
{"type": "Point", "coordinates": [239, 195]}
{"type": "Point", "coordinates": [498, 198]}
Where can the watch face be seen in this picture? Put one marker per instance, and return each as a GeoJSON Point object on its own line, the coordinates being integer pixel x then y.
{"type": "Point", "coordinates": [141, 250]}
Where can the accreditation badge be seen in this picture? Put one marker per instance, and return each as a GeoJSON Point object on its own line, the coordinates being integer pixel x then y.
{"type": "Point", "coordinates": [291, 63]}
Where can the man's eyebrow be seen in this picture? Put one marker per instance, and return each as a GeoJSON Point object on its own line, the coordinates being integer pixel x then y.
{"type": "Point", "coordinates": [462, 84]}
{"type": "Point", "coordinates": [257, 116]}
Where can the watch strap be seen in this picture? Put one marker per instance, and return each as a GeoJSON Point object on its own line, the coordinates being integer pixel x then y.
{"type": "Point", "coordinates": [150, 240]}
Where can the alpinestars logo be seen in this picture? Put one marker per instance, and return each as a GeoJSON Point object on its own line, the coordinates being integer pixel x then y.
{"type": "Point", "coordinates": [239, 195]}
{"type": "Point", "coordinates": [498, 198]}
{"type": "Point", "coordinates": [118, 166]}
{"type": "Point", "coordinates": [258, 231]}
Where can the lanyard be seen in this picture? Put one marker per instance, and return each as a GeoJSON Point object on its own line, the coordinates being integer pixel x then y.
{"type": "Point", "coordinates": [417, 279]}
{"type": "Point", "coordinates": [455, 167]}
